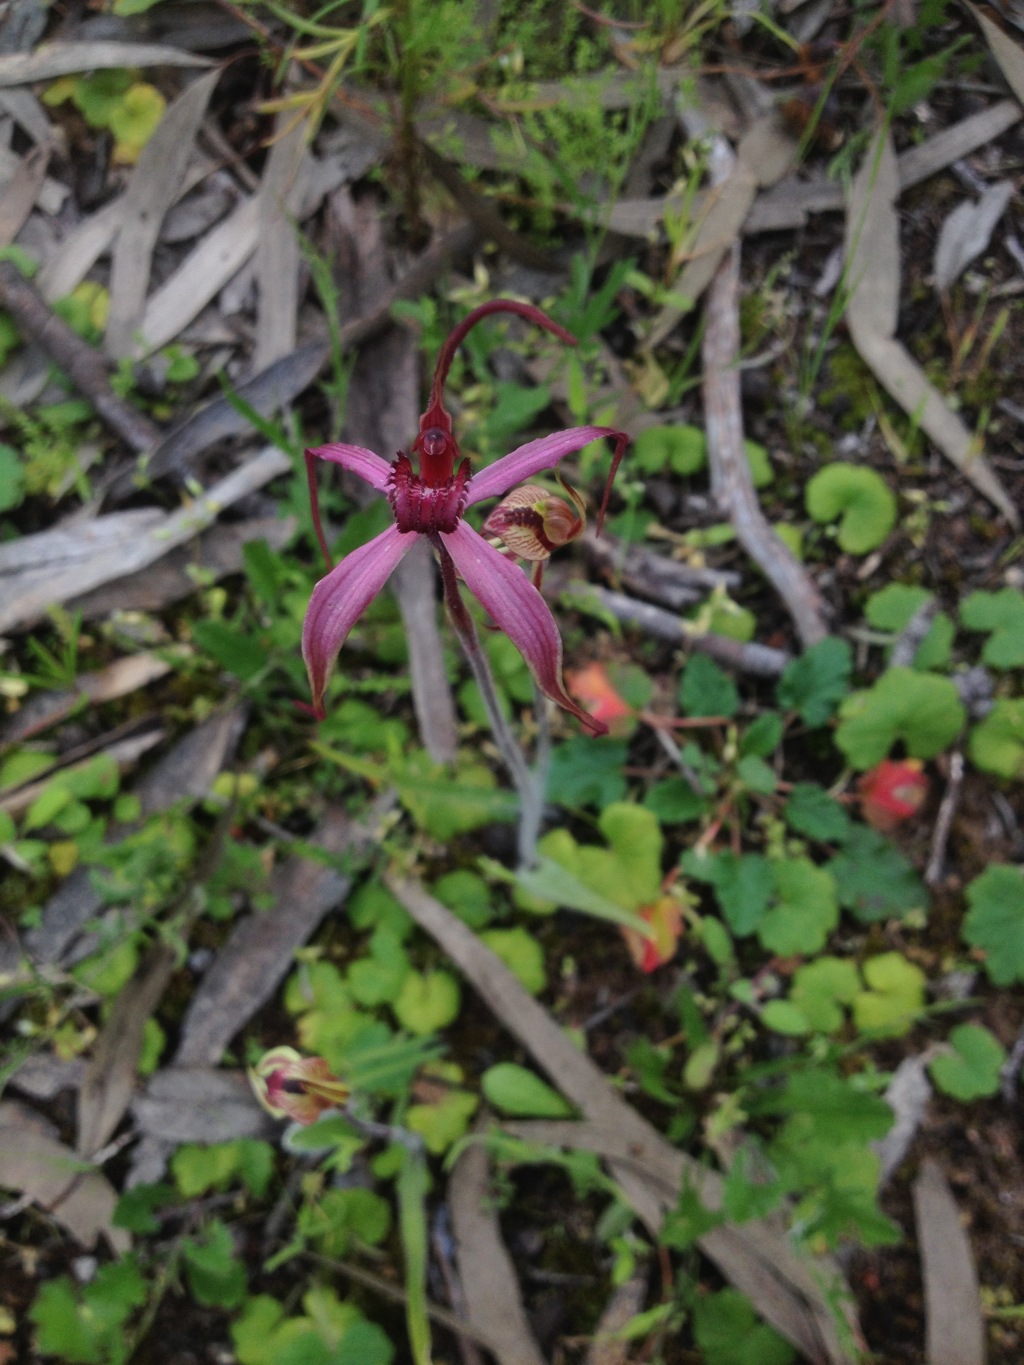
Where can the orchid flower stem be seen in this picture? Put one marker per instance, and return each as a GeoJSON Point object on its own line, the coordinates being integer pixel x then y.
{"type": "Point", "coordinates": [529, 783]}
{"type": "Point", "coordinates": [531, 812]}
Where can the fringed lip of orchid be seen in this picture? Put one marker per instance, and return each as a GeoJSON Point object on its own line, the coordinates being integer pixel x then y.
{"type": "Point", "coordinates": [431, 502]}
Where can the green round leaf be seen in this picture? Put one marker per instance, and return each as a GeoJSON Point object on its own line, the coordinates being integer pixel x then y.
{"type": "Point", "coordinates": [811, 811]}
{"type": "Point", "coordinates": [892, 607]}
{"type": "Point", "coordinates": [859, 498]}
{"type": "Point", "coordinates": [806, 908]}
{"type": "Point", "coordinates": [971, 1070]}
{"type": "Point", "coordinates": [782, 1016]}
{"type": "Point", "coordinates": [467, 895]}
{"type": "Point", "coordinates": [521, 954]}
{"type": "Point", "coordinates": [705, 690]}
{"type": "Point", "coordinates": [12, 475]}
{"type": "Point", "coordinates": [821, 988]}
{"type": "Point", "coordinates": [894, 998]}
{"type": "Point", "coordinates": [996, 744]}
{"type": "Point", "coordinates": [1002, 615]}
{"type": "Point", "coordinates": [427, 1001]}
{"type": "Point", "coordinates": [922, 710]}
{"type": "Point", "coordinates": [681, 449]}
{"type": "Point", "coordinates": [514, 1090]}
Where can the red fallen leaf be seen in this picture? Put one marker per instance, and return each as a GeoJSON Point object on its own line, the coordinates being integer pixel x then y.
{"type": "Point", "coordinates": [594, 689]}
{"type": "Point", "coordinates": [665, 918]}
{"type": "Point", "coordinates": [892, 792]}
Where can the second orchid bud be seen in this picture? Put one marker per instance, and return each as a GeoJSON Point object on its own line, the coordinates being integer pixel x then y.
{"type": "Point", "coordinates": [289, 1085]}
{"type": "Point", "coordinates": [531, 522]}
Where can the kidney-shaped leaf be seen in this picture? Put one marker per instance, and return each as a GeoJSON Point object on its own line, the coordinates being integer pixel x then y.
{"type": "Point", "coordinates": [1001, 614]}
{"type": "Point", "coordinates": [859, 499]}
{"type": "Point", "coordinates": [921, 709]}
{"type": "Point", "coordinates": [970, 1071]}
{"type": "Point", "coordinates": [806, 908]}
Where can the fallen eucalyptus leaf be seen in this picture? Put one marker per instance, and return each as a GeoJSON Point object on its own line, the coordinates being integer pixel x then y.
{"type": "Point", "coordinates": [954, 1326]}
{"type": "Point", "coordinates": [873, 272]}
{"type": "Point", "coordinates": [966, 233]}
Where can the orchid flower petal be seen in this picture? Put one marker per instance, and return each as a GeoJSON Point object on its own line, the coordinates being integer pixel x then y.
{"type": "Point", "coordinates": [518, 609]}
{"type": "Point", "coordinates": [363, 463]}
{"type": "Point", "coordinates": [341, 598]}
{"type": "Point", "coordinates": [531, 458]}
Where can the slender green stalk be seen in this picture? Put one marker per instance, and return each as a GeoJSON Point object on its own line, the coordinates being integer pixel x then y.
{"type": "Point", "coordinates": [413, 1180]}
{"type": "Point", "coordinates": [529, 783]}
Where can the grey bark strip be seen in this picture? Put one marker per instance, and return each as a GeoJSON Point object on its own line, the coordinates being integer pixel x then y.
{"type": "Point", "coordinates": [954, 1325]}
{"type": "Point", "coordinates": [1008, 54]}
{"type": "Point", "coordinates": [202, 274]}
{"type": "Point", "coordinates": [790, 203]}
{"type": "Point", "coordinates": [51, 60]}
{"type": "Point", "coordinates": [155, 185]}
{"type": "Point", "coordinates": [731, 483]}
{"type": "Point", "coordinates": [260, 950]}
{"type": "Point", "coordinates": [85, 244]}
{"type": "Point", "coordinates": [118, 679]}
{"type": "Point", "coordinates": [764, 155]}
{"type": "Point", "coordinates": [21, 192]}
{"type": "Point", "coordinates": [28, 113]}
{"type": "Point", "coordinates": [109, 1079]}
{"type": "Point", "coordinates": [796, 1294]}
{"type": "Point", "coordinates": [486, 1270]}
{"type": "Point", "coordinates": [285, 380]}
{"type": "Point", "coordinates": [27, 602]}
{"type": "Point", "coordinates": [218, 551]}
{"type": "Point", "coordinates": [33, 1161]}
{"type": "Point", "coordinates": [277, 251]}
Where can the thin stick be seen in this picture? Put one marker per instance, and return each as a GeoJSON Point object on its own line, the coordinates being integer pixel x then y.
{"type": "Point", "coordinates": [731, 482]}
{"type": "Point", "coordinates": [751, 657]}
{"type": "Point", "coordinates": [944, 820]}
{"type": "Point", "coordinates": [83, 365]}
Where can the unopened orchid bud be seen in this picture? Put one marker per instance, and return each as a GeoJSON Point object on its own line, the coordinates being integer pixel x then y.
{"type": "Point", "coordinates": [289, 1085]}
{"type": "Point", "coordinates": [531, 522]}
{"type": "Point", "coordinates": [665, 920]}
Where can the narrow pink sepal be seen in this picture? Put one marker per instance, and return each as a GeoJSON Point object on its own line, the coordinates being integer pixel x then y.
{"type": "Point", "coordinates": [341, 598]}
{"type": "Point", "coordinates": [530, 459]}
{"type": "Point", "coordinates": [363, 463]}
{"type": "Point", "coordinates": [518, 609]}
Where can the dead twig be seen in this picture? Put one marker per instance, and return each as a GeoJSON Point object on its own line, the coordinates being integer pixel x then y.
{"type": "Point", "coordinates": [944, 820]}
{"type": "Point", "coordinates": [664, 580]}
{"type": "Point", "coordinates": [761, 660]}
{"type": "Point", "coordinates": [82, 364]}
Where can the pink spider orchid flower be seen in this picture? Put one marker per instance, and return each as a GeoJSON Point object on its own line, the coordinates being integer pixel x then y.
{"type": "Point", "coordinates": [431, 504]}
